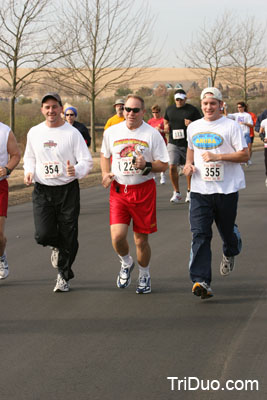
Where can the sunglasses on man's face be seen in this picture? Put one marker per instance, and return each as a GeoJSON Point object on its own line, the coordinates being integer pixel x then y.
{"type": "Point", "coordinates": [69, 115]}
{"type": "Point", "coordinates": [134, 110]}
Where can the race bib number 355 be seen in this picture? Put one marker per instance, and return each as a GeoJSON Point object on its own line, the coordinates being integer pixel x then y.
{"type": "Point", "coordinates": [52, 169]}
{"type": "Point", "coordinates": [213, 171]}
{"type": "Point", "coordinates": [126, 167]}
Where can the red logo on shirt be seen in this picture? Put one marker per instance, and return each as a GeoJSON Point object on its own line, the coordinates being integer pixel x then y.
{"type": "Point", "coordinates": [50, 144]}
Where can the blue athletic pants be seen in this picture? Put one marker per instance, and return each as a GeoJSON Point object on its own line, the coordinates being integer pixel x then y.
{"type": "Point", "coordinates": [204, 210]}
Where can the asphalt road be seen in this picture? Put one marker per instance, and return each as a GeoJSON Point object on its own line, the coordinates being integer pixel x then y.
{"type": "Point", "coordinates": [99, 342]}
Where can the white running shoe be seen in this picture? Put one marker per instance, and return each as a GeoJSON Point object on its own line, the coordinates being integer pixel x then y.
{"type": "Point", "coordinates": [227, 265]}
{"type": "Point", "coordinates": [266, 182]}
{"type": "Point", "coordinates": [124, 277]}
{"type": "Point", "coordinates": [162, 178]}
{"type": "Point", "coordinates": [187, 199]}
{"type": "Point", "coordinates": [176, 197]}
{"type": "Point", "coordinates": [3, 267]}
{"type": "Point", "coordinates": [143, 284]}
{"type": "Point", "coordinates": [62, 285]}
{"type": "Point", "coordinates": [54, 257]}
{"type": "Point", "coordinates": [249, 163]}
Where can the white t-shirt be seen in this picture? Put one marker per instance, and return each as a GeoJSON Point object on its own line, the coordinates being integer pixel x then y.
{"type": "Point", "coordinates": [48, 150]}
{"type": "Point", "coordinates": [121, 143]}
{"type": "Point", "coordinates": [220, 136]}
{"type": "Point", "coordinates": [4, 134]}
{"type": "Point", "coordinates": [242, 117]}
{"type": "Point", "coordinates": [264, 125]}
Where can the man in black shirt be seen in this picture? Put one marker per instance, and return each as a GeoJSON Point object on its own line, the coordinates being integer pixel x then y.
{"type": "Point", "coordinates": [176, 119]}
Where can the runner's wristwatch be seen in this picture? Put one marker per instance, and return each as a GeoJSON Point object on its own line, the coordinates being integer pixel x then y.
{"type": "Point", "coordinates": [8, 171]}
{"type": "Point", "coordinates": [147, 168]}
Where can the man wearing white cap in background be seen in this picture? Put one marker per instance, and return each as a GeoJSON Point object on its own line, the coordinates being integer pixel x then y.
{"type": "Point", "coordinates": [118, 117]}
{"type": "Point", "coordinates": [176, 120]}
{"type": "Point", "coordinates": [216, 147]}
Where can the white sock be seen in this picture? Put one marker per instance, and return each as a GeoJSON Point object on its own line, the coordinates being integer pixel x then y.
{"type": "Point", "coordinates": [143, 271]}
{"type": "Point", "coordinates": [126, 260]}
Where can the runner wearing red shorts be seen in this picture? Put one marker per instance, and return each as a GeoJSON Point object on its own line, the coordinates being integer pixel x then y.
{"type": "Point", "coordinates": [138, 152]}
{"type": "Point", "coordinates": [9, 159]}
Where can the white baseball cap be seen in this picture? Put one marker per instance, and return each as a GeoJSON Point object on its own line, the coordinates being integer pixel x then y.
{"type": "Point", "coordinates": [181, 96]}
{"type": "Point", "coordinates": [215, 93]}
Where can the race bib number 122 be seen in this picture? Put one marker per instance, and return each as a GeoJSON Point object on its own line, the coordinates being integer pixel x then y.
{"type": "Point", "coordinates": [126, 166]}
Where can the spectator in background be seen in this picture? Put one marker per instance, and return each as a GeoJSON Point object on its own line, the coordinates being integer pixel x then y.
{"type": "Point", "coordinates": [158, 123]}
{"type": "Point", "coordinates": [118, 117]}
{"type": "Point", "coordinates": [70, 115]}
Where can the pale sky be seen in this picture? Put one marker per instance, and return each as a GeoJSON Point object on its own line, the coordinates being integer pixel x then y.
{"type": "Point", "coordinates": [177, 20]}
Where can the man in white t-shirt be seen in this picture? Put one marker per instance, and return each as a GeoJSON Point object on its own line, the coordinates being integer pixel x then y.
{"type": "Point", "coordinates": [216, 147]}
{"type": "Point", "coordinates": [138, 152]}
{"type": "Point", "coordinates": [56, 156]}
{"type": "Point", "coordinates": [263, 135]}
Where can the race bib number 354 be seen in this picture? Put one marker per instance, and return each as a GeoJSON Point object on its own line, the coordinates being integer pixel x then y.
{"type": "Point", "coordinates": [52, 169]}
{"type": "Point", "coordinates": [213, 171]}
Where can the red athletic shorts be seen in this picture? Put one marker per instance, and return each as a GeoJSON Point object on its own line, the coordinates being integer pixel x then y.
{"type": "Point", "coordinates": [3, 197]}
{"type": "Point", "coordinates": [136, 202]}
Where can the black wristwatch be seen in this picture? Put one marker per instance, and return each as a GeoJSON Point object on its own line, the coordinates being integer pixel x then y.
{"type": "Point", "coordinates": [8, 171]}
{"type": "Point", "coordinates": [147, 168]}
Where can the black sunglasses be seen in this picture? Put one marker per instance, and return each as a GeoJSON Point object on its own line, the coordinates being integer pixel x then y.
{"type": "Point", "coordinates": [70, 115]}
{"type": "Point", "coordinates": [135, 110]}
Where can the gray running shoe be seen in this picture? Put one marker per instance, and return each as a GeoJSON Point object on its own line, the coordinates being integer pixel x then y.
{"type": "Point", "coordinates": [62, 285]}
{"type": "Point", "coordinates": [3, 267]}
{"type": "Point", "coordinates": [227, 265]}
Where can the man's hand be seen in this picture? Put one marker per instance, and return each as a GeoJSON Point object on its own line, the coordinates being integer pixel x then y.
{"type": "Point", "coordinates": [28, 179]}
{"type": "Point", "coordinates": [187, 122]}
{"type": "Point", "coordinates": [189, 169]}
{"type": "Point", "coordinates": [107, 178]}
{"type": "Point", "coordinates": [138, 161]}
{"type": "Point", "coordinates": [208, 156]}
{"type": "Point", "coordinates": [70, 169]}
{"type": "Point", "coordinates": [2, 171]}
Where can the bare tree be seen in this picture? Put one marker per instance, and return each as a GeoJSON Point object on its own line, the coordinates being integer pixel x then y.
{"type": "Point", "coordinates": [209, 49]}
{"type": "Point", "coordinates": [111, 48]}
{"type": "Point", "coordinates": [247, 56]}
{"type": "Point", "coordinates": [24, 46]}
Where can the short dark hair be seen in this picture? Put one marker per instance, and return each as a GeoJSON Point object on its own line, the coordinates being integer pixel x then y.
{"type": "Point", "coordinates": [180, 91]}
